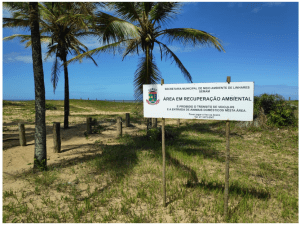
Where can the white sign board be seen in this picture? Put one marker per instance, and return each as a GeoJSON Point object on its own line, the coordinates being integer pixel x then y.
{"type": "Point", "coordinates": [210, 101]}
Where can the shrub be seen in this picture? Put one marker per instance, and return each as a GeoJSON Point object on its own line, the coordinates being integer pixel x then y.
{"type": "Point", "coordinates": [49, 106]}
{"type": "Point", "coordinates": [278, 112]}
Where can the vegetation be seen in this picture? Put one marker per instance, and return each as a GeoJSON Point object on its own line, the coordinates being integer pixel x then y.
{"type": "Point", "coordinates": [60, 26]}
{"type": "Point", "coordinates": [123, 182]}
{"type": "Point", "coordinates": [139, 27]}
{"type": "Point", "coordinates": [278, 111]}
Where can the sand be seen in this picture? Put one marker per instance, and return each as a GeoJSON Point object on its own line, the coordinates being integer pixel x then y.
{"type": "Point", "coordinates": [74, 144]}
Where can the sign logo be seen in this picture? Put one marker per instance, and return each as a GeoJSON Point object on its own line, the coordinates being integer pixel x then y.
{"type": "Point", "coordinates": [152, 97]}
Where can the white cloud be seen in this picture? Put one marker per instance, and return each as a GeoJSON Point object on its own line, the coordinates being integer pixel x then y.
{"type": "Point", "coordinates": [267, 4]}
{"type": "Point", "coordinates": [10, 57]}
{"type": "Point", "coordinates": [24, 58]}
{"type": "Point", "coordinates": [270, 4]}
{"type": "Point", "coordinates": [17, 57]}
{"type": "Point", "coordinates": [257, 9]}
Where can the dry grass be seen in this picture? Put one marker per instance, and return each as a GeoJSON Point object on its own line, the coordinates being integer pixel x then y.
{"type": "Point", "coordinates": [123, 183]}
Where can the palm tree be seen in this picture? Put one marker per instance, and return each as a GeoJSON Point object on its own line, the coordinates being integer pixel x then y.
{"type": "Point", "coordinates": [61, 26]}
{"type": "Point", "coordinates": [40, 152]}
{"type": "Point", "coordinates": [142, 23]}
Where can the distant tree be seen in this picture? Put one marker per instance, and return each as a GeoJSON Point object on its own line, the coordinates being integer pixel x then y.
{"type": "Point", "coordinates": [138, 27]}
{"type": "Point", "coordinates": [61, 25]}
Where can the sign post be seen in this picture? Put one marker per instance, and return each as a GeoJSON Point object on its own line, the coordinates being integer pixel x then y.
{"type": "Point", "coordinates": [208, 101]}
{"type": "Point", "coordinates": [226, 191]}
{"type": "Point", "coordinates": [164, 155]}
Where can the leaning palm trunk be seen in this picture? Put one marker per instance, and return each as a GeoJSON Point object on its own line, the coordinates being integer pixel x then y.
{"type": "Point", "coordinates": [40, 153]}
{"type": "Point", "coordinates": [66, 101]}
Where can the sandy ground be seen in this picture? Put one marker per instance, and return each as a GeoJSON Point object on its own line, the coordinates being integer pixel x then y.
{"type": "Point", "coordinates": [74, 145]}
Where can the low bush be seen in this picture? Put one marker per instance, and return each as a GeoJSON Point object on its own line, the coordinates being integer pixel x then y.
{"type": "Point", "coordinates": [278, 111]}
{"type": "Point", "coordinates": [49, 106]}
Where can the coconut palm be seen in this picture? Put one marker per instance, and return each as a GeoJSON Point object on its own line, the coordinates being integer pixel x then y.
{"type": "Point", "coordinates": [145, 20]}
{"type": "Point", "coordinates": [40, 151]}
{"type": "Point", "coordinates": [61, 34]}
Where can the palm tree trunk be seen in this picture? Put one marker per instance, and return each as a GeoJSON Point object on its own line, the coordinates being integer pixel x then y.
{"type": "Point", "coordinates": [66, 101]}
{"type": "Point", "coordinates": [40, 151]}
{"type": "Point", "coordinates": [148, 79]}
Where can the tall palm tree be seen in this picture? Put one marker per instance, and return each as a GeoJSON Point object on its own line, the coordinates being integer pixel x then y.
{"type": "Point", "coordinates": [61, 25]}
{"type": "Point", "coordinates": [40, 152]}
{"type": "Point", "coordinates": [145, 20]}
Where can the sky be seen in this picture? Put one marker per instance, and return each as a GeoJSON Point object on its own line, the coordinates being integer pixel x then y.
{"type": "Point", "coordinates": [260, 40]}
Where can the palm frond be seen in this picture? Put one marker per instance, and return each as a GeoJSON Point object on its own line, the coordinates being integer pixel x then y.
{"type": "Point", "coordinates": [20, 23]}
{"type": "Point", "coordinates": [147, 7]}
{"type": "Point", "coordinates": [55, 73]}
{"type": "Point", "coordinates": [141, 77]}
{"type": "Point", "coordinates": [132, 45]}
{"type": "Point", "coordinates": [192, 36]}
{"type": "Point", "coordinates": [162, 12]}
{"type": "Point", "coordinates": [130, 11]}
{"type": "Point", "coordinates": [16, 6]}
{"type": "Point", "coordinates": [169, 54]}
{"type": "Point", "coordinates": [113, 29]}
{"type": "Point", "coordinates": [107, 48]}
{"type": "Point", "coordinates": [43, 39]}
{"type": "Point", "coordinates": [22, 36]}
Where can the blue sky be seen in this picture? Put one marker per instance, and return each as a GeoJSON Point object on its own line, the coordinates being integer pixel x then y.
{"type": "Point", "coordinates": [260, 40]}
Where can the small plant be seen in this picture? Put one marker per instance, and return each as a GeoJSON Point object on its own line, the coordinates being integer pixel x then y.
{"type": "Point", "coordinates": [49, 106]}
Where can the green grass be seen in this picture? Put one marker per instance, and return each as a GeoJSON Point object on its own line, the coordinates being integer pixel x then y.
{"type": "Point", "coordinates": [124, 182]}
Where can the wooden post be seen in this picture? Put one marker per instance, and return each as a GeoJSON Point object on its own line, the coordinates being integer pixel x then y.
{"type": "Point", "coordinates": [127, 120]}
{"type": "Point", "coordinates": [22, 137]}
{"type": "Point", "coordinates": [289, 98]}
{"type": "Point", "coordinates": [227, 155]}
{"type": "Point", "coordinates": [56, 137]}
{"type": "Point", "coordinates": [123, 101]}
{"type": "Point", "coordinates": [88, 125]}
{"type": "Point", "coordinates": [164, 156]}
{"type": "Point", "coordinates": [119, 127]}
{"type": "Point", "coordinates": [96, 99]}
{"type": "Point", "coordinates": [178, 122]}
{"type": "Point", "coordinates": [88, 98]}
{"type": "Point", "coordinates": [154, 122]}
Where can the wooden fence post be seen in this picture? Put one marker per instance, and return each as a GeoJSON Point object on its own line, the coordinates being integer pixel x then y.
{"type": "Point", "coordinates": [226, 191]}
{"type": "Point", "coordinates": [154, 122]}
{"type": "Point", "coordinates": [164, 156]}
{"type": "Point", "coordinates": [119, 126]}
{"type": "Point", "coordinates": [289, 98]}
{"type": "Point", "coordinates": [56, 137]}
{"type": "Point", "coordinates": [178, 122]}
{"type": "Point", "coordinates": [22, 137]}
{"type": "Point", "coordinates": [127, 120]}
{"type": "Point", "coordinates": [89, 125]}
{"type": "Point", "coordinates": [88, 98]}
